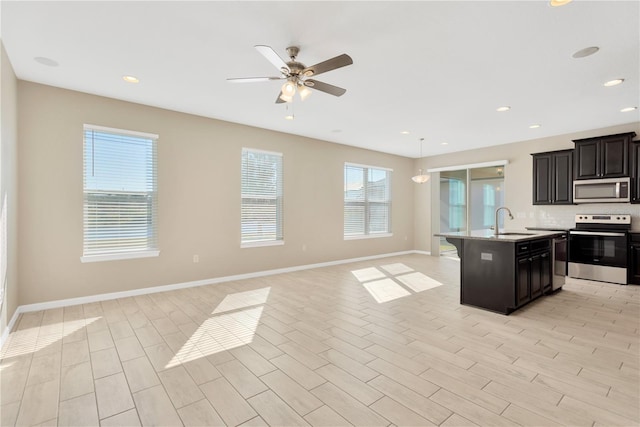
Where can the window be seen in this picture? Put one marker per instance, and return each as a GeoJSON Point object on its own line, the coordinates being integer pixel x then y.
{"type": "Point", "coordinates": [367, 201]}
{"type": "Point", "coordinates": [120, 194]}
{"type": "Point", "coordinates": [261, 212]}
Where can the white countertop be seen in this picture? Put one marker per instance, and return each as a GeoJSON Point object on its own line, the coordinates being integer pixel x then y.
{"type": "Point", "coordinates": [518, 235]}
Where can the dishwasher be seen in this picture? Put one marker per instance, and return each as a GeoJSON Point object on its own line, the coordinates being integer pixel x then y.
{"type": "Point", "coordinates": [559, 262]}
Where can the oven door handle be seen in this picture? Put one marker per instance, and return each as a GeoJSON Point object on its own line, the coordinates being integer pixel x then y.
{"type": "Point", "coordinates": [596, 233]}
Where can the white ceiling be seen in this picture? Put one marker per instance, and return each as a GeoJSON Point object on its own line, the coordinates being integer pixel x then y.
{"type": "Point", "coordinates": [436, 69]}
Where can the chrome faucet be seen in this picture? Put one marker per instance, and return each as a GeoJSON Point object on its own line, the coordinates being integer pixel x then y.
{"type": "Point", "coordinates": [496, 231]}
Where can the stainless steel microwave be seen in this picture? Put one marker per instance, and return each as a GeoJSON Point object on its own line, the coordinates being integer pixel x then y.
{"type": "Point", "coordinates": [605, 190]}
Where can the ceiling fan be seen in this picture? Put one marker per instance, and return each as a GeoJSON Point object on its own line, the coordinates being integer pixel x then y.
{"type": "Point", "coordinates": [297, 75]}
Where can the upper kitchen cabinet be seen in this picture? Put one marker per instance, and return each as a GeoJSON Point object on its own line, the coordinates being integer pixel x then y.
{"type": "Point", "coordinates": [602, 157]}
{"type": "Point", "coordinates": [552, 178]}
{"type": "Point", "coordinates": [635, 171]}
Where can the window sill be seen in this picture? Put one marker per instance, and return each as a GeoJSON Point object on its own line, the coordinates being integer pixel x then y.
{"type": "Point", "coordinates": [262, 243]}
{"type": "Point", "coordinates": [368, 236]}
{"type": "Point", "coordinates": [115, 257]}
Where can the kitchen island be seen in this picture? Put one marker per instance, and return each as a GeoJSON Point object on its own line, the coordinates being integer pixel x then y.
{"type": "Point", "coordinates": [503, 272]}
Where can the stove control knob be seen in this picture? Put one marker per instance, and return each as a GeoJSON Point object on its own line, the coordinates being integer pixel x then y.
{"type": "Point", "coordinates": [618, 218]}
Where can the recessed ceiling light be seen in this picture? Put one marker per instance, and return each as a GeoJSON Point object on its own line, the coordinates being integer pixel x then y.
{"type": "Point", "coordinates": [405, 132]}
{"type": "Point", "coordinates": [130, 79]}
{"type": "Point", "coordinates": [536, 126]}
{"type": "Point", "coordinates": [45, 61]}
{"type": "Point", "coordinates": [558, 3]}
{"type": "Point", "coordinates": [587, 51]}
{"type": "Point", "coordinates": [444, 143]}
{"type": "Point", "coordinates": [504, 108]}
{"type": "Point", "coordinates": [627, 109]}
{"type": "Point", "coordinates": [289, 117]}
{"type": "Point", "coordinates": [613, 82]}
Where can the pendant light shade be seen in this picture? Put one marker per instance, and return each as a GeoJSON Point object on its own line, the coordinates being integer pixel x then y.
{"type": "Point", "coordinates": [420, 178]}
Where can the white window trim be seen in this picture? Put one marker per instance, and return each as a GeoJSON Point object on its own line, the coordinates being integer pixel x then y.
{"type": "Point", "coordinates": [148, 253]}
{"type": "Point", "coordinates": [261, 243]}
{"type": "Point", "coordinates": [360, 165]}
{"type": "Point", "coordinates": [257, 150]}
{"type": "Point", "coordinates": [114, 257]}
{"type": "Point", "coordinates": [368, 236]}
{"type": "Point", "coordinates": [264, 243]}
{"type": "Point", "coordinates": [121, 131]}
{"type": "Point", "coordinates": [469, 166]}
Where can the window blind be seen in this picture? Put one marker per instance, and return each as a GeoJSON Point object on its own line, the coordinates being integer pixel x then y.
{"type": "Point", "coordinates": [367, 200]}
{"type": "Point", "coordinates": [120, 191]}
{"type": "Point", "coordinates": [262, 206]}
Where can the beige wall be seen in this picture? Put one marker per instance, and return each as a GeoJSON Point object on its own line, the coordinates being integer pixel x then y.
{"type": "Point", "coordinates": [518, 183]}
{"type": "Point", "coordinates": [8, 188]}
{"type": "Point", "coordinates": [199, 197]}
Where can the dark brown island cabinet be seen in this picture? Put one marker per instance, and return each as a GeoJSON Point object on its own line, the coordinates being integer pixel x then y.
{"type": "Point", "coordinates": [602, 157]}
{"type": "Point", "coordinates": [635, 171]}
{"type": "Point", "coordinates": [634, 259]}
{"type": "Point", "coordinates": [553, 178]}
{"type": "Point", "coordinates": [502, 276]}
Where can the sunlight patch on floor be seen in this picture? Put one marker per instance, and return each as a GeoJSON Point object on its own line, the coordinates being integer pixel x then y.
{"type": "Point", "coordinates": [233, 324]}
{"type": "Point", "coordinates": [368, 274]}
{"type": "Point", "coordinates": [397, 268]}
{"type": "Point", "coordinates": [242, 300]}
{"type": "Point", "coordinates": [385, 290]}
{"type": "Point", "coordinates": [418, 282]}
{"type": "Point", "coordinates": [25, 341]}
{"type": "Point", "coordinates": [399, 281]}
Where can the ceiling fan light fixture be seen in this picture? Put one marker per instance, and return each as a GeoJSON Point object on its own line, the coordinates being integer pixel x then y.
{"type": "Point", "coordinates": [286, 98]}
{"type": "Point", "coordinates": [304, 92]}
{"type": "Point", "coordinates": [289, 88]}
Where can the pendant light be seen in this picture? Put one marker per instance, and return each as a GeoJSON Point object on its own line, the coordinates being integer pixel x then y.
{"type": "Point", "coordinates": [421, 178]}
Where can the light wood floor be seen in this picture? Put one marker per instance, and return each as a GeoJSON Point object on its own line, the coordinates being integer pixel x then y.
{"type": "Point", "coordinates": [315, 347]}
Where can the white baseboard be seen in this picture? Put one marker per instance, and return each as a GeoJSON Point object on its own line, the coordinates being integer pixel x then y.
{"type": "Point", "coordinates": [155, 289]}
{"type": "Point", "coordinates": [10, 326]}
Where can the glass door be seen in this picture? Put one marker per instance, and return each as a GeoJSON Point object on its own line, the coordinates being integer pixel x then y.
{"type": "Point", "coordinates": [487, 194]}
{"type": "Point", "coordinates": [468, 200]}
{"type": "Point", "coordinates": [453, 205]}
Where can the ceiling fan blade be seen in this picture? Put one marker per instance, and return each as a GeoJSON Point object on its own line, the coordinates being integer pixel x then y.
{"type": "Point", "coordinates": [253, 79]}
{"type": "Point", "coordinates": [328, 65]}
{"type": "Point", "coordinates": [280, 100]}
{"type": "Point", "coordinates": [325, 87]}
{"type": "Point", "coordinates": [273, 57]}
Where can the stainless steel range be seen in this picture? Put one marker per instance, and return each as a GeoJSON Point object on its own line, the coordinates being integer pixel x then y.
{"type": "Point", "coordinates": [598, 247]}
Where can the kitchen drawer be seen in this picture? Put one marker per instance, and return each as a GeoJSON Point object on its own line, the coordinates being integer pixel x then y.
{"type": "Point", "coordinates": [524, 248]}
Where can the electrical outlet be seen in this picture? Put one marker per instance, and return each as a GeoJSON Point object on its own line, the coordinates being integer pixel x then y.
{"type": "Point", "coordinates": [196, 259]}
